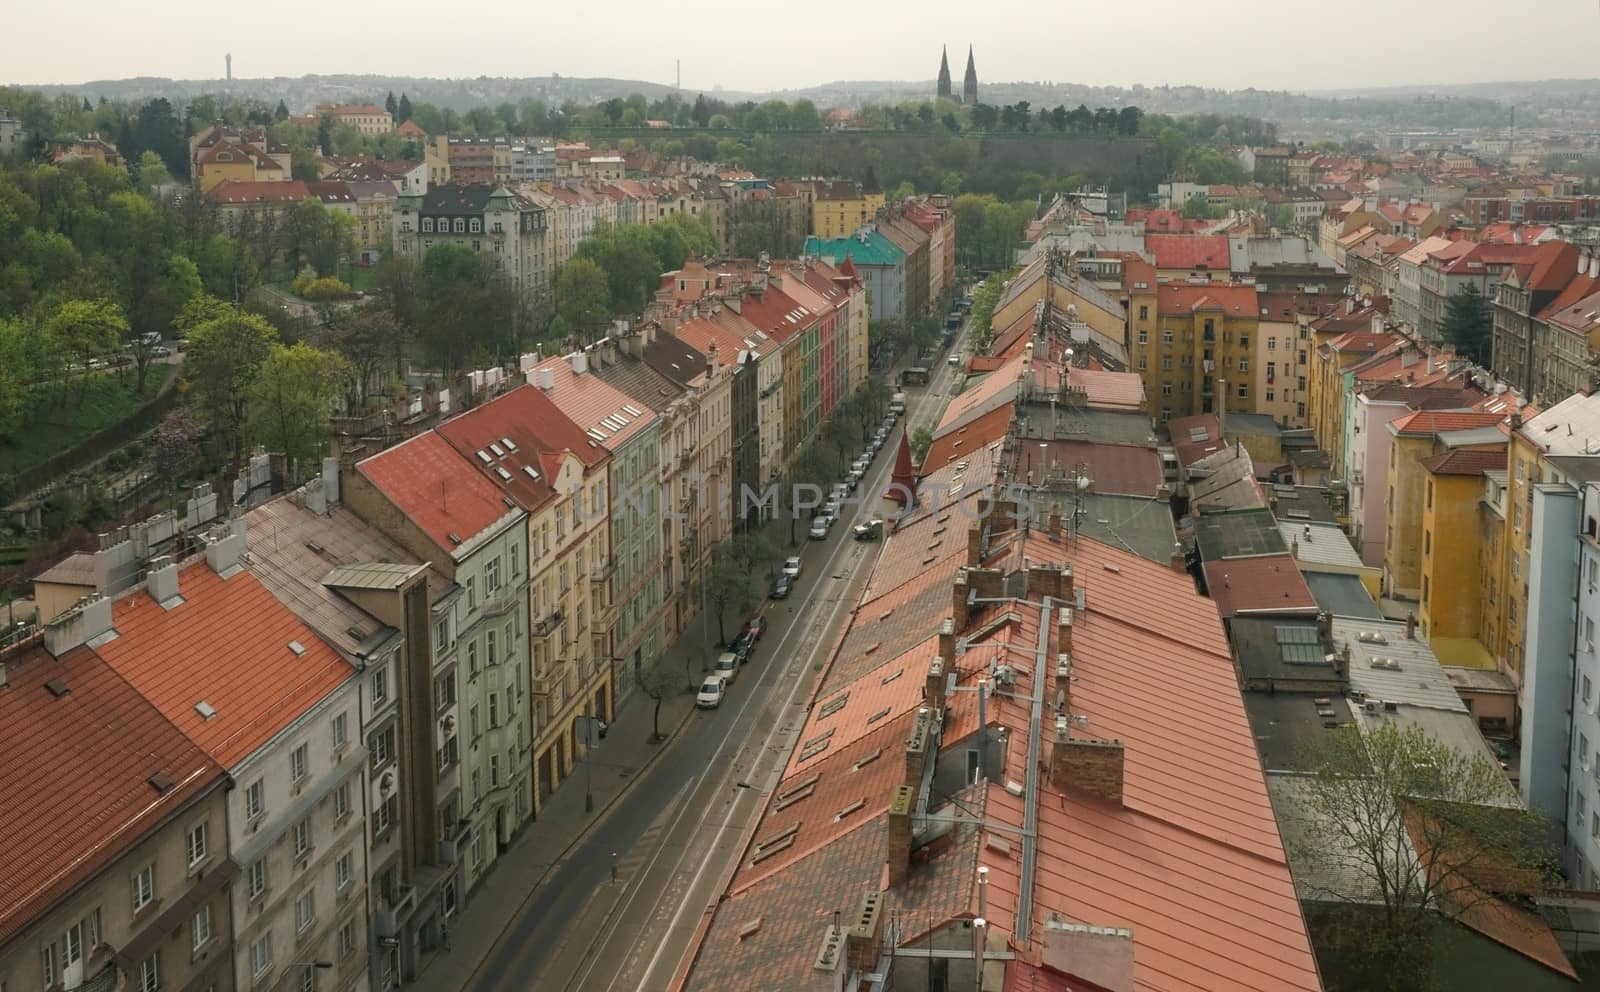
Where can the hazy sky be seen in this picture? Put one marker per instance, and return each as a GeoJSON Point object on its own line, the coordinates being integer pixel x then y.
{"type": "Point", "coordinates": [1268, 44]}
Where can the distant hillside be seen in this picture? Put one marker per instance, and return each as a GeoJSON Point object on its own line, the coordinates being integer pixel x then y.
{"type": "Point", "coordinates": [1343, 113]}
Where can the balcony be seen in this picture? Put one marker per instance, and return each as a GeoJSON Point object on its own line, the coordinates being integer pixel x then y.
{"type": "Point", "coordinates": [547, 624]}
{"type": "Point", "coordinates": [602, 570]}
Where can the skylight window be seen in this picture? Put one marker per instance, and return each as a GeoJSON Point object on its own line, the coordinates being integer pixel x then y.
{"type": "Point", "coordinates": [483, 456]}
{"type": "Point", "coordinates": [506, 443]}
{"type": "Point", "coordinates": [499, 452]}
{"type": "Point", "coordinates": [504, 475]}
{"type": "Point", "coordinates": [298, 649]}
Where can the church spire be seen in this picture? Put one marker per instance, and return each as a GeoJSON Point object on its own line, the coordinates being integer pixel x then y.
{"type": "Point", "coordinates": [944, 73]}
{"type": "Point", "coordinates": [969, 86]}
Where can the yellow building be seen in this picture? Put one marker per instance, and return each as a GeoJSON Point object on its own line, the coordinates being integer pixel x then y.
{"type": "Point", "coordinates": [840, 207]}
{"type": "Point", "coordinates": [1202, 344]}
{"type": "Point", "coordinates": [1089, 303]}
{"type": "Point", "coordinates": [221, 154]}
{"type": "Point", "coordinates": [1336, 343]}
{"type": "Point", "coordinates": [1415, 439]}
{"type": "Point", "coordinates": [436, 156]}
{"type": "Point", "coordinates": [1455, 553]}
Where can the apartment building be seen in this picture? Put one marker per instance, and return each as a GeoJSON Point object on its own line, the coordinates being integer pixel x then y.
{"type": "Point", "coordinates": [135, 896]}
{"type": "Point", "coordinates": [269, 701]}
{"type": "Point", "coordinates": [430, 500]}
{"type": "Point", "coordinates": [509, 232]}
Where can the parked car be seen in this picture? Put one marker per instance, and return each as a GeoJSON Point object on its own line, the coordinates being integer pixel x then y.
{"type": "Point", "coordinates": [711, 692]}
{"type": "Point", "coordinates": [953, 360]}
{"type": "Point", "coordinates": [757, 626]}
{"type": "Point", "coordinates": [869, 530]}
{"type": "Point", "coordinates": [819, 527]}
{"type": "Point", "coordinates": [791, 566]}
{"type": "Point", "coordinates": [852, 480]}
{"type": "Point", "coordinates": [727, 667]}
{"type": "Point", "coordinates": [743, 646]}
{"type": "Point", "coordinates": [859, 466]}
{"type": "Point", "coordinates": [781, 587]}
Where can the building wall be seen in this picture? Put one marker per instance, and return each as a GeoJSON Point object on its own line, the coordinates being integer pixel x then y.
{"type": "Point", "coordinates": [769, 400]}
{"type": "Point", "coordinates": [1368, 475]}
{"type": "Point", "coordinates": [97, 916]}
{"type": "Point", "coordinates": [1524, 471]}
{"type": "Point", "coordinates": [1452, 555]}
{"type": "Point", "coordinates": [336, 799]}
{"type": "Point", "coordinates": [1278, 373]}
{"type": "Point", "coordinates": [1548, 688]}
{"type": "Point", "coordinates": [1402, 556]}
{"type": "Point", "coordinates": [840, 218]}
{"type": "Point", "coordinates": [636, 540]}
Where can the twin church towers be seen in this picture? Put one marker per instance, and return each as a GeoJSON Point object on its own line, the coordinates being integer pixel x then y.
{"type": "Point", "coordinates": [969, 85]}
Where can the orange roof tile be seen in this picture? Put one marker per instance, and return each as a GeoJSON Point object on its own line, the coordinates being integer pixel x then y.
{"type": "Point", "coordinates": [227, 644]}
{"type": "Point", "coordinates": [433, 485]}
{"type": "Point", "coordinates": [1263, 584]}
{"type": "Point", "coordinates": [1182, 299]}
{"type": "Point", "coordinates": [1188, 251]}
{"type": "Point", "coordinates": [76, 775]}
{"type": "Point", "coordinates": [955, 444]}
{"type": "Point", "coordinates": [1435, 421]}
{"type": "Point", "coordinates": [1465, 461]}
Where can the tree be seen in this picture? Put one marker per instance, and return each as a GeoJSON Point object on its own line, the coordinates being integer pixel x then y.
{"type": "Point", "coordinates": [372, 339]}
{"type": "Point", "coordinates": [727, 582]}
{"type": "Point", "coordinates": [86, 329]}
{"type": "Point", "coordinates": [1399, 830]}
{"type": "Point", "coordinates": [200, 309]}
{"type": "Point", "coordinates": [1467, 326]}
{"type": "Point", "coordinates": [224, 357]}
{"type": "Point", "coordinates": [657, 683]}
{"type": "Point", "coordinates": [404, 113]}
{"type": "Point", "coordinates": [921, 441]}
{"type": "Point", "coordinates": [291, 400]}
{"type": "Point", "coordinates": [281, 113]}
{"type": "Point", "coordinates": [582, 295]}
{"type": "Point", "coordinates": [153, 172]}
{"type": "Point", "coordinates": [390, 105]}
{"type": "Point", "coordinates": [701, 114]}
{"type": "Point", "coordinates": [176, 448]}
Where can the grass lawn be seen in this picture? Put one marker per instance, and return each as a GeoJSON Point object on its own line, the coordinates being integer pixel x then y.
{"type": "Point", "coordinates": [109, 398]}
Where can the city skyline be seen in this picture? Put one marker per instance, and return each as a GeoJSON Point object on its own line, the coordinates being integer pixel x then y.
{"type": "Point", "coordinates": [539, 42]}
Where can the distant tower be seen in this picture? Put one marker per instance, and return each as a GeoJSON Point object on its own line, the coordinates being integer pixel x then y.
{"type": "Point", "coordinates": [229, 59]}
{"type": "Point", "coordinates": [969, 86]}
{"type": "Point", "coordinates": [944, 74]}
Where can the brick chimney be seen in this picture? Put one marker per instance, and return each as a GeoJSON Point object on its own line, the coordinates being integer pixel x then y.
{"type": "Point", "coordinates": [958, 601]}
{"type": "Point", "coordinates": [1064, 680]}
{"type": "Point", "coordinates": [974, 544]}
{"type": "Point", "coordinates": [1064, 629]}
{"type": "Point", "coordinates": [989, 582]}
{"type": "Point", "coordinates": [1054, 526]}
{"type": "Point", "coordinates": [864, 941]}
{"type": "Point", "coordinates": [917, 748]}
{"type": "Point", "coordinates": [1044, 579]}
{"type": "Point", "coordinates": [1083, 765]}
{"type": "Point", "coordinates": [899, 845]}
{"type": "Point", "coordinates": [947, 640]}
{"type": "Point", "coordinates": [935, 689]}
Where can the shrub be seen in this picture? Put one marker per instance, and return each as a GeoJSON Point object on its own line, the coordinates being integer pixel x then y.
{"type": "Point", "coordinates": [325, 289]}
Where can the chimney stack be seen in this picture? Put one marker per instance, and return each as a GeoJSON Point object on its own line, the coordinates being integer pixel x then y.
{"type": "Point", "coordinates": [1411, 626]}
{"type": "Point", "coordinates": [864, 941]}
{"type": "Point", "coordinates": [1102, 956]}
{"type": "Point", "coordinates": [958, 601]}
{"type": "Point", "coordinates": [974, 544]}
{"type": "Point", "coordinates": [1092, 766]}
{"type": "Point", "coordinates": [225, 546]}
{"type": "Point", "coordinates": [1179, 561]}
{"type": "Point", "coordinates": [330, 480]}
{"type": "Point", "coordinates": [989, 583]}
{"type": "Point", "coordinates": [1054, 525]}
{"type": "Point", "coordinates": [947, 640]}
{"type": "Point", "coordinates": [899, 846]}
{"type": "Point", "coordinates": [1064, 681]}
{"type": "Point", "coordinates": [935, 688]}
{"type": "Point", "coordinates": [83, 624]}
{"type": "Point", "coordinates": [1325, 627]}
{"type": "Point", "coordinates": [917, 748]}
{"type": "Point", "coordinates": [162, 580]}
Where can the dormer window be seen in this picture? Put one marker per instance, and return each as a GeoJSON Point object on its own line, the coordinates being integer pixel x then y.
{"type": "Point", "coordinates": [461, 225]}
{"type": "Point", "coordinates": [427, 225]}
{"type": "Point", "coordinates": [476, 226]}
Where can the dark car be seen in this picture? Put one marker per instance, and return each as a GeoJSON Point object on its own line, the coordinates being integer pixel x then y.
{"type": "Point", "coordinates": [781, 586]}
{"type": "Point", "coordinates": [743, 646]}
{"type": "Point", "coordinates": [757, 626]}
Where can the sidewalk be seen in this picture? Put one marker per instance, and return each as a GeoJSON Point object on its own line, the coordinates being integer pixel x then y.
{"type": "Point", "coordinates": [626, 754]}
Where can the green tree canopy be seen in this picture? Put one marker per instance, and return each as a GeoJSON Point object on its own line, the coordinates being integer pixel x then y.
{"type": "Point", "coordinates": [583, 296]}
{"type": "Point", "coordinates": [1467, 325]}
{"type": "Point", "coordinates": [224, 357]}
{"type": "Point", "coordinates": [291, 398]}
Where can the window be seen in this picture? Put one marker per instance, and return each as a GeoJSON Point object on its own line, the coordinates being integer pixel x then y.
{"type": "Point", "coordinates": [256, 878]}
{"type": "Point", "coordinates": [341, 732]}
{"type": "Point", "coordinates": [427, 225]}
{"type": "Point", "coordinates": [1588, 632]}
{"type": "Point", "coordinates": [308, 979]}
{"type": "Point", "coordinates": [197, 844]}
{"type": "Point", "coordinates": [150, 973]}
{"type": "Point", "coordinates": [1166, 363]}
{"type": "Point", "coordinates": [476, 226]}
{"type": "Point", "coordinates": [47, 964]}
{"type": "Point", "coordinates": [347, 938]}
{"type": "Point", "coordinates": [1244, 340]}
{"type": "Point", "coordinates": [1244, 365]}
{"type": "Point", "coordinates": [1144, 313]}
{"type": "Point", "coordinates": [302, 838]}
{"type": "Point", "coordinates": [494, 771]}
{"type": "Point", "coordinates": [494, 711]}
{"type": "Point", "coordinates": [1144, 337]}
{"type": "Point", "coordinates": [1270, 395]}
{"type": "Point", "coordinates": [380, 687]}
{"type": "Point", "coordinates": [1272, 344]}
{"type": "Point", "coordinates": [343, 872]}
{"type": "Point", "coordinates": [444, 688]}
{"type": "Point", "coordinates": [1427, 542]}
{"type": "Point", "coordinates": [144, 887]}
{"type": "Point", "coordinates": [477, 785]}
{"type": "Point", "coordinates": [261, 955]}
{"type": "Point", "coordinates": [1143, 363]}
{"type": "Point", "coordinates": [472, 723]}
{"type": "Point", "coordinates": [1166, 389]}
{"type": "Point", "coordinates": [297, 765]}
{"type": "Point", "coordinates": [490, 646]}
{"type": "Point", "coordinates": [200, 928]}
{"type": "Point", "coordinates": [381, 744]}
{"type": "Point", "coordinates": [1166, 336]}
{"type": "Point", "coordinates": [516, 568]}
{"type": "Point", "coordinates": [441, 635]}
{"type": "Point", "coordinates": [461, 225]}
{"type": "Point", "coordinates": [1594, 827]}
{"type": "Point", "coordinates": [341, 801]}
{"type": "Point", "coordinates": [491, 576]}
{"type": "Point", "coordinates": [449, 754]}
{"type": "Point", "coordinates": [472, 593]}
{"type": "Point", "coordinates": [254, 799]}
{"type": "Point", "coordinates": [472, 659]}
{"type": "Point", "coordinates": [305, 912]}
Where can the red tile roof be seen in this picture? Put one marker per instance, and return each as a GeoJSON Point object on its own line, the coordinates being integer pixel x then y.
{"type": "Point", "coordinates": [227, 644]}
{"type": "Point", "coordinates": [1182, 299]}
{"type": "Point", "coordinates": [519, 416]}
{"type": "Point", "coordinates": [1435, 421]}
{"type": "Point", "coordinates": [959, 442]}
{"type": "Point", "coordinates": [410, 130]}
{"type": "Point", "coordinates": [1188, 251]}
{"type": "Point", "coordinates": [1262, 584]}
{"type": "Point", "coordinates": [1189, 444]}
{"type": "Point", "coordinates": [1115, 468]}
{"type": "Point", "coordinates": [434, 486]}
{"type": "Point", "coordinates": [230, 191]}
{"type": "Point", "coordinates": [594, 404]}
{"type": "Point", "coordinates": [1465, 461]}
{"type": "Point", "coordinates": [76, 775]}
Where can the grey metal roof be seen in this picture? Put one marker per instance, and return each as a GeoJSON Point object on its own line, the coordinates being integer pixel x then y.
{"type": "Point", "coordinates": [369, 575]}
{"type": "Point", "coordinates": [1252, 424]}
{"type": "Point", "coordinates": [1287, 650]}
{"type": "Point", "coordinates": [1287, 724]}
{"type": "Point", "coordinates": [74, 570]}
{"type": "Point", "coordinates": [1419, 679]}
{"type": "Point", "coordinates": [1319, 543]}
{"type": "Point", "coordinates": [1238, 534]}
{"type": "Point", "coordinates": [1342, 595]}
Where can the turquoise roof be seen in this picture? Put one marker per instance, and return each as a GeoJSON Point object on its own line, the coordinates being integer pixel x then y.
{"type": "Point", "coordinates": [864, 248]}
